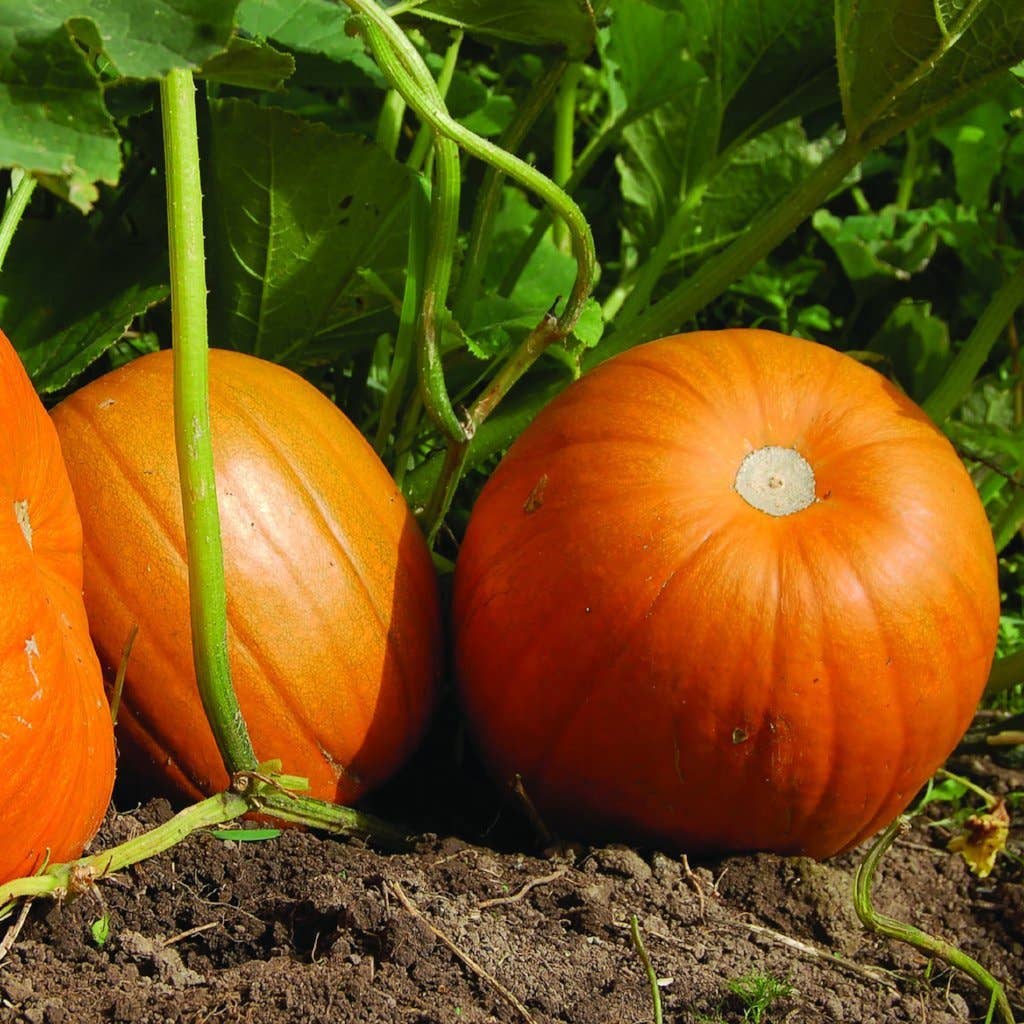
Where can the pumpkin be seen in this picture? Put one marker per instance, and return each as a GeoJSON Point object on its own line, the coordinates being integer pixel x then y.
{"type": "Point", "coordinates": [56, 737]}
{"type": "Point", "coordinates": [731, 591]}
{"type": "Point", "coordinates": [333, 612]}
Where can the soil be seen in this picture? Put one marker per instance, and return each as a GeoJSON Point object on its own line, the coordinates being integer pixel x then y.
{"type": "Point", "coordinates": [475, 924]}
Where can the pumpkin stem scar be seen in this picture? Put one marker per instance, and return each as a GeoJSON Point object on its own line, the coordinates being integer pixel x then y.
{"type": "Point", "coordinates": [774, 480]}
{"type": "Point", "coordinates": [21, 514]}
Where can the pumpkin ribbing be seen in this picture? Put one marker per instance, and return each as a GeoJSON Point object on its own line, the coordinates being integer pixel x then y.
{"type": "Point", "coordinates": [657, 657]}
{"type": "Point", "coordinates": [56, 737]}
{"type": "Point", "coordinates": [333, 610]}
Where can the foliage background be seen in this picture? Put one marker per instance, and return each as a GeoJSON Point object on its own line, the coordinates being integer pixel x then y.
{"type": "Point", "coordinates": [681, 128]}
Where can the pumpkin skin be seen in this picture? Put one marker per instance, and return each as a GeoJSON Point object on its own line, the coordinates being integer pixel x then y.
{"type": "Point", "coordinates": [658, 658]}
{"type": "Point", "coordinates": [56, 737]}
{"type": "Point", "coordinates": [333, 614]}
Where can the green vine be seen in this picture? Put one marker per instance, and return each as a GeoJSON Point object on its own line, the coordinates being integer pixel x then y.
{"type": "Point", "coordinates": [928, 944]}
{"type": "Point", "coordinates": [405, 70]}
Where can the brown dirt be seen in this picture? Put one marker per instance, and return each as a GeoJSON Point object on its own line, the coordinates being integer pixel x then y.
{"type": "Point", "coordinates": [309, 929]}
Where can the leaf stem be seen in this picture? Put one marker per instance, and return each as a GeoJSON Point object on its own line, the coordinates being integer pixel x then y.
{"type": "Point", "coordinates": [14, 208]}
{"type": "Point", "coordinates": [489, 197]}
{"type": "Point", "coordinates": [672, 311]}
{"type": "Point", "coordinates": [207, 592]}
{"type": "Point", "coordinates": [389, 123]}
{"type": "Point", "coordinates": [564, 142]}
{"type": "Point", "coordinates": [654, 265]}
{"type": "Point", "coordinates": [959, 377]}
{"type": "Point", "coordinates": [402, 359]}
{"type": "Point", "coordinates": [929, 944]}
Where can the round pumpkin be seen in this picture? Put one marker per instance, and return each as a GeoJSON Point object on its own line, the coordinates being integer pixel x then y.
{"type": "Point", "coordinates": [730, 591]}
{"type": "Point", "coordinates": [56, 737]}
{"type": "Point", "coordinates": [333, 613]}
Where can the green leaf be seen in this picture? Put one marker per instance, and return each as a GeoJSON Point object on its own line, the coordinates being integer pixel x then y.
{"type": "Point", "coordinates": [100, 930]}
{"type": "Point", "coordinates": [480, 108]}
{"type": "Point", "coordinates": [917, 345]}
{"type": "Point", "coordinates": [312, 27]}
{"type": "Point", "coordinates": [59, 330]}
{"type": "Point", "coordinates": [664, 200]}
{"type": "Point", "coordinates": [770, 60]}
{"type": "Point", "coordinates": [899, 62]}
{"type": "Point", "coordinates": [52, 117]}
{"type": "Point", "coordinates": [548, 276]}
{"type": "Point", "coordinates": [977, 140]}
{"type": "Point", "coordinates": [249, 65]}
{"type": "Point", "coordinates": [718, 75]}
{"type": "Point", "coordinates": [53, 120]}
{"type": "Point", "coordinates": [294, 211]}
{"type": "Point", "coordinates": [590, 325]}
{"type": "Point", "coordinates": [645, 54]}
{"type": "Point", "coordinates": [879, 248]}
{"type": "Point", "coordinates": [563, 23]}
{"type": "Point", "coordinates": [147, 38]}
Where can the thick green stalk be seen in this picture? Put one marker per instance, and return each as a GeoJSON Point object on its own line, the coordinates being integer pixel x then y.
{"type": "Point", "coordinates": [565, 142]}
{"type": "Point", "coordinates": [928, 944]}
{"type": "Point", "coordinates": [959, 378]}
{"type": "Point", "coordinates": [671, 312]}
{"type": "Point", "coordinates": [14, 208]}
{"type": "Point", "coordinates": [457, 452]}
{"type": "Point", "coordinates": [207, 594]}
{"type": "Point", "coordinates": [489, 198]}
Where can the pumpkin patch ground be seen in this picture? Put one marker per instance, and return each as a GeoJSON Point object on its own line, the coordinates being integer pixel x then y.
{"type": "Point", "coordinates": [305, 928]}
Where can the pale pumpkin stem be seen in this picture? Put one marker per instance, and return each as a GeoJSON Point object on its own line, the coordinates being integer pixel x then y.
{"type": "Point", "coordinates": [777, 481]}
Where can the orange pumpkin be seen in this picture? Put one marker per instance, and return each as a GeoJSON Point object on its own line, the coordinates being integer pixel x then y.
{"type": "Point", "coordinates": [56, 738]}
{"type": "Point", "coordinates": [333, 617]}
{"type": "Point", "coordinates": [730, 591]}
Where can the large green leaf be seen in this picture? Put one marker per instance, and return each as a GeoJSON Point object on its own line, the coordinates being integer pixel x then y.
{"type": "Point", "coordinates": [645, 53]}
{"type": "Point", "coordinates": [901, 61]}
{"type": "Point", "coordinates": [294, 212]}
{"type": "Point", "coordinates": [568, 24]}
{"type": "Point", "coordinates": [717, 75]}
{"type": "Point", "coordinates": [248, 64]}
{"type": "Point", "coordinates": [313, 27]}
{"type": "Point", "coordinates": [765, 60]}
{"type": "Point", "coordinates": [68, 294]}
{"type": "Point", "coordinates": [53, 121]}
